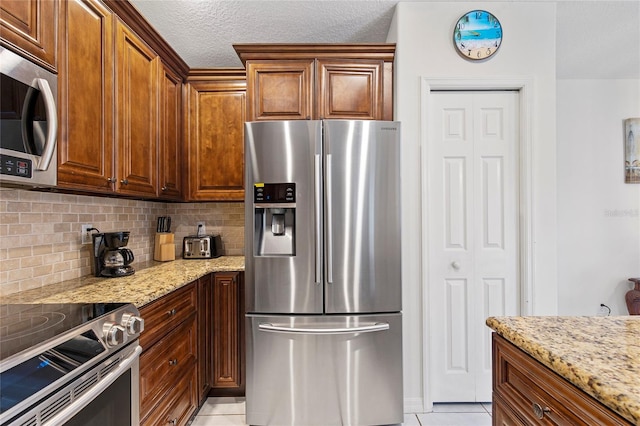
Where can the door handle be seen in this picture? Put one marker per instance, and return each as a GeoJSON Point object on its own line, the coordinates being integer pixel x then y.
{"type": "Point", "coordinates": [380, 326]}
{"type": "Point", "coordinates": [329, 223]}
{"type": "Point", "coordinates": [318, 218]}
{"type": "Point", "coordinates": [52, 123]}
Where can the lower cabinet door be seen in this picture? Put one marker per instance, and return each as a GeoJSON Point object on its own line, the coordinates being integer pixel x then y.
{"type": "Point", "coordinates": [164, 364]}
{"type": "Point", "coordinates": [179, 403]}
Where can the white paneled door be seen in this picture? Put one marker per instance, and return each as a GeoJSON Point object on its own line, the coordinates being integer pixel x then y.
{"type": "Point", "coordinates": [473, 239]}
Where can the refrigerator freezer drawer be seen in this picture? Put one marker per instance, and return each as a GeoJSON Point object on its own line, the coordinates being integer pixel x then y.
{"type": "Point", "coordinates": [324, 370]}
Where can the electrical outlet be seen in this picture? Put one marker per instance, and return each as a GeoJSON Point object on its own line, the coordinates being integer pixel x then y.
{"type": "Point", "coordinates": [202, 229]}
{"type": "Point", "coordinates": [86, 235]}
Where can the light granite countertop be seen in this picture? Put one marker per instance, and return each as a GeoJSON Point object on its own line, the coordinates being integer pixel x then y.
{"type": "Point", "coordinates": [600, 355]}
{"type": "Point", "coordinates": [151, 281]}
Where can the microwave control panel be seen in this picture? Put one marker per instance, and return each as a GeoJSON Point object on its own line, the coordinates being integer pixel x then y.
{"type": "Point", "coordinates": [15, 166]}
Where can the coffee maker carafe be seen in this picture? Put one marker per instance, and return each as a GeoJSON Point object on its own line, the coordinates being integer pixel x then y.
{"type": "Point", "coordinates": [110, 259]}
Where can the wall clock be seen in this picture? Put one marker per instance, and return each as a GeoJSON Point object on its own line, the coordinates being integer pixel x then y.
{"type": "Point", "coordinates": [477, 35]}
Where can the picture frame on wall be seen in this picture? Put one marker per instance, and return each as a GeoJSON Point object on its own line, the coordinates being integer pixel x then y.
{"type": "Point", "coordinates": [632, 150]}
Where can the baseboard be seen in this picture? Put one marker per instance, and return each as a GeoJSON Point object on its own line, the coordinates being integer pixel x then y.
{"type": "Point", "coordinates": [413, 405]}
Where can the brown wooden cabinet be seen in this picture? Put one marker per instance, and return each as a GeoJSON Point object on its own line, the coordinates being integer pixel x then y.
{"type": "Point", "coordinates": [120, 123]}
{"type": "Point", "coordinates": [168, 364]}
{"type": "Point", "coordinates": [29, 28]}
{"type": "Point", "coordinates": [205, 330]}
{"type": "Point", "coordinates": [85, 105]}
{"type": "Point", "coordinates": [301, 82]}
{"type": "Point", "coordinates": [214, 135]}
{"type": "Point", "coordinates": [528, 393]}
{"type": "Point", "coordinates": [228, 375]}
{"type": "Point", "coordinates": [170, 136]}
{"type": "Point", "coordinates": [137, 91]}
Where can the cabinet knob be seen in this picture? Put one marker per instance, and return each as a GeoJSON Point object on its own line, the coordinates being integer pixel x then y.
{"type": "Point", "coordinates": [125, 181]}
{"type": "Point", "coordinates": [164, 188]}
{"type": "Point", "coordinates": [173, 422]}
{"type": "Point", "coordinates": [173, 361]}
{"type": "Point", "coordinates": [111, 180]}
{"type": "Point", "coordinates": [171, 312]}
{"type": "Point", "coordinates": [455, 265]}
{"type": "Point", "coordinates": [539, 412]}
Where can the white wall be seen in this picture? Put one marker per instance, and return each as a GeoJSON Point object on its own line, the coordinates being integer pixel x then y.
{"type": "Point", "coordinates": [423, 33]}
{"type": "Point", "coordinates": [598, 214]}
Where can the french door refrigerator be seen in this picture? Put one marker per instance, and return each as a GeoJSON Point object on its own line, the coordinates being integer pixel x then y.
{"type": "Point", "coordinates": [322, 273]}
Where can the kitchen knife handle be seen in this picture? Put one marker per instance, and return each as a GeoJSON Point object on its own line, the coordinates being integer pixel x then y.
{"type": "Point", "coordinates": [379, 326]}
{"type": "Point", "coordinates": [318, 229]}
{"type": "Point", "coordinates": [329, 222]}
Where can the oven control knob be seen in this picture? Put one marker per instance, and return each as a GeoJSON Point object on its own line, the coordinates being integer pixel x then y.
{"type": "Point", "coordinates": [132, 323]}
{"type": "Point", "coordinates": [114, 334]}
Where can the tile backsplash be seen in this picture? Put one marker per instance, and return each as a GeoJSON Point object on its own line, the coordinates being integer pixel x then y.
{"type": "Point", "coordinates": [40, 232]}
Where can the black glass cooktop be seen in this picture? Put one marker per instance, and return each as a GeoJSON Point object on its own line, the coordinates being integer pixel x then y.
{"type": "Point", "coordinates": [25, 326]}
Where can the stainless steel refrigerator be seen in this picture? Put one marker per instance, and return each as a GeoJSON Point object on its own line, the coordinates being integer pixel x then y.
{"type": "Point", "coordinates": [322, 273]}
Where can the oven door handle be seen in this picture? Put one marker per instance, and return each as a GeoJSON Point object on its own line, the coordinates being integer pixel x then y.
{"type": "Point", "coordinates": [103, 384]}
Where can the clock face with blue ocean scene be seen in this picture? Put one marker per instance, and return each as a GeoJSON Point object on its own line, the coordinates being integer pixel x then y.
{"type": "Point", "coordinates": [477, 35]}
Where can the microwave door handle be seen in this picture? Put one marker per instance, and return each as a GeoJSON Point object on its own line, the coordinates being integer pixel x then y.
{"type": "Point", "coordinates": [52, 123]}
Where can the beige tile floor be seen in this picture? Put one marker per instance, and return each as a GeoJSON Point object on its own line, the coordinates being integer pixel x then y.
{"type": "Point", "coordinates": [230, 412]}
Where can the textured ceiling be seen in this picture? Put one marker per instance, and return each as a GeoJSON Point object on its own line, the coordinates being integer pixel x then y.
{"type": "Point", "coordinates": [595, 39]}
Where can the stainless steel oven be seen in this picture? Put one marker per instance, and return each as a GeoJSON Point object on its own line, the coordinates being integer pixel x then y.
{"type": "Point", "coordinates": [28, 123]}
{"type": "Point", "coordinates": [69, 364]}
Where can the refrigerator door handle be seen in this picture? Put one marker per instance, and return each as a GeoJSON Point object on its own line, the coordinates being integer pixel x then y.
{"type": "Point", "coordinates": [380, 326]}
{"type": "Point", "coordinates": [329, 223]}
{"type": "Point", "coordinates": [318, 208]}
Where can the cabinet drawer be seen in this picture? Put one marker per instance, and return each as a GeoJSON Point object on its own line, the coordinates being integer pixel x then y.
{"type": "Point", "coordinates": [178, 404]}
{"type": "Point", "coordinates": [165, 362]}
{"type": "Point", "coordinates": [166, 313]}
{"type": "Point", "coordinates": [541, 397]}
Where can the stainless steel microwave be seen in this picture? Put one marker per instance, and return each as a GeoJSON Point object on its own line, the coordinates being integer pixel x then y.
{"type": "Point", "coordinates": [28, 123]}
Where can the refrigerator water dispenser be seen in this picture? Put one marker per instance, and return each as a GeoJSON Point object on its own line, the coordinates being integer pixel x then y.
{"type": "Point", "coordinates": [274, 224]}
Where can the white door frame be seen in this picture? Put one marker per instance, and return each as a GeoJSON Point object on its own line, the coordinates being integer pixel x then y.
{"type": "Point", "coordinates": [524, 86]}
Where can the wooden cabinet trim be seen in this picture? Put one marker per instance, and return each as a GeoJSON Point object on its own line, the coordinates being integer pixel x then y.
{"type": "Point", "coordinates": [282, 51]}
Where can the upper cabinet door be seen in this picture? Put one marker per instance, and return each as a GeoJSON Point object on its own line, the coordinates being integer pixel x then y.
{"type": "Point", "coordinates": [137, 70]}
{"type": "Point", "coordinates": [350, 89]}
{"type": "Point", "coordinates": [30, 28]}
{"type": "Point", "coordinates": [169, 142]}
{"type": "Point", "coordinates": [215, 140]}
{"type": "Point", "coordinates": [280, 90]}
{"type": "Point", "coordinates": [85, 97]}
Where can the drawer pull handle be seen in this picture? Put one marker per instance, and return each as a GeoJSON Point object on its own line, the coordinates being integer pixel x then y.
{"type": "Point", "coordinates": [173, 361]}
{"type": "Point", "coordinates": [539, 411]}
{"type": "Point", "coordinates": [171, 312]}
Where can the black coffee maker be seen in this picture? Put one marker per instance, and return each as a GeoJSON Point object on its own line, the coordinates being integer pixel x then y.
{"type": "Point", "coordinates": [110, 259]}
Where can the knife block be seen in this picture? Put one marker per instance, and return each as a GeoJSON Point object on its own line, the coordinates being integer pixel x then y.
{"type": "Point", "coordinates": [164, 248]}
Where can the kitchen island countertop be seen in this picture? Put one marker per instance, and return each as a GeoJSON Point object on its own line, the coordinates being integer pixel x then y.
{"type": "Point", "coordinates": [151, 281]}
{"type": "Point", "coordinates": [599, 355]}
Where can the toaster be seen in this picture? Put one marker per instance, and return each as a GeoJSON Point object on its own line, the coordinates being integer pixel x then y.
{"type": "Point", "coordinates": [201, 247]}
